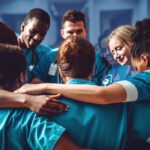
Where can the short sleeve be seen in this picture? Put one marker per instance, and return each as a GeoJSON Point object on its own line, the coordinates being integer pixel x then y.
{"type": "Point", "coordinates": [43, 133]}
{"type": "Point", "coordinates": [137, 87]}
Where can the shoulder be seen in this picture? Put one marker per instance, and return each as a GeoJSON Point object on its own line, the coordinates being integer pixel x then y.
{"type": "Point", "coordinates": [49, 57]}
{"type": "Point", "coordinates": [137, 87]}
{"type": "Point", "coordinates": [141, 77]}
{"type": "Point", "coordinates": [43, 48]}
{"type": "Point", "coordinates": [52, 53]}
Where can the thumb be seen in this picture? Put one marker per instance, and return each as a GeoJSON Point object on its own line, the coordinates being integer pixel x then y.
{"type": "Point", "coordinates": [55, 96]}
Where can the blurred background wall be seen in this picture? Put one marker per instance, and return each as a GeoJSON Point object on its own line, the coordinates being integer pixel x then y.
{"type": "Point", "coordinates": [102, 16]}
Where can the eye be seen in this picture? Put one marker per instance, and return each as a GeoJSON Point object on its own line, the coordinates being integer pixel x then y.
{"type": "Point", "coordinates": [42, 34]}
{"type": "Point", "coordinates": [69, 32]}
{"type": "Point", "coordinates": [33, 31]}
{"type": "Point", "coordinates": [79, 31]}
{"type": "Point", "coordinates": [113, 52]}
{"type": "Point", "coordinates": [119, 48]}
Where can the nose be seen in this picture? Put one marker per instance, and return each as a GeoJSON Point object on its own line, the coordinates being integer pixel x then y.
{"type": "Point", "coordinates": [116, 55]}
{"type": "Point", "coordinates": [75, 34]}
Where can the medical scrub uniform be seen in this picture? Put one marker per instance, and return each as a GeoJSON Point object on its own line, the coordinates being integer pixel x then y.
{"type": "Point", "coordinates": [94, 126]}
{"type": "Point", "coordinates": [33, 57]}
{"type": "Point", "coordinates": [138, 88]}
{"type": "Point", "coordinates": [21, 129]}
{"type": "Point", "coordinates": [47, 70]}
{"type": "Point", "coordinates": [116, 72]}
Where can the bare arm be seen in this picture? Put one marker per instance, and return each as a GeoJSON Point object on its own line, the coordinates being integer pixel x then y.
{"type": "Point", "coordinates": [86, 93]}
{"type": "Point", "coordinates": [36, 80]}
{"type": "Point", "coordinates": [9, 99]}
{"type": "Point", "coordinates": [42, 104]}
{"type": "Point", "coordinates": [66, 143]}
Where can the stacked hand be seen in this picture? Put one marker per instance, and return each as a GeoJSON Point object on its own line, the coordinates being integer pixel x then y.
{"type": "Point", "coordinates": [42, 104]}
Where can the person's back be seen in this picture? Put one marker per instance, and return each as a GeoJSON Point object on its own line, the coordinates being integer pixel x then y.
{"type": "Point", "coordinates": [21, 128]}
{"type": "Point", "coordinates": [93, 126]}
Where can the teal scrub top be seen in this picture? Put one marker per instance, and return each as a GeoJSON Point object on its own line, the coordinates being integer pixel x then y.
{"type": "Point", "coordinates": [32, 61]}
{"type": "Point", "coordinates": [47, 70]}
{"type": "Point", "coordinates": [94, 126]}
{"type": "Point", "coordinates": [21, 129]}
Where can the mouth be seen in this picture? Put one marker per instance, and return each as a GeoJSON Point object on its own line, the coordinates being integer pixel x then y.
{"type": "Point", "coordinates": [120, 59]}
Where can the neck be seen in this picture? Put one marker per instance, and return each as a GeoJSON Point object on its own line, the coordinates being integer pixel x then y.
{"type": "Point", "coordinates": [66, 79]}
{"type": "Point", "coordinates": [20, 41]}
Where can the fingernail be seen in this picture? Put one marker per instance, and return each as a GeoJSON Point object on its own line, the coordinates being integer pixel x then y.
{"type": "Point", "coordinates": [67, 108]}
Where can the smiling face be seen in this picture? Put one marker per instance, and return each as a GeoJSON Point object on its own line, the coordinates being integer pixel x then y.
{"type": "Point", "coordinates": [33, 33]}
{"type": "Point", "coordinates": [120, 51]}
{"type": "Point", "coordinates": [76, 29]}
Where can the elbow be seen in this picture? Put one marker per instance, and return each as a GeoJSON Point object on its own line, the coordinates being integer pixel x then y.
{"type": "Point", "coordinates": [103, 97]}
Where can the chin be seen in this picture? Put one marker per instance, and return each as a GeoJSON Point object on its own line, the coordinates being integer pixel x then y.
{"type": "Point", "coordinates": [124, 63]}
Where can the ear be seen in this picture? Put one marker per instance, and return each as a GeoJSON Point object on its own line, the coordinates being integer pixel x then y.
{"type": "Point", "coordinates": [62, 33]}
{"type": "Point", "coordinates": [22, 26]}
{"type": "Point", "coordinates": [62, 75]}
{"type": "Point", "coordinates": [145, 58]}
{"type": "Point", "coordinates": [20, 80]}
{"type": "Point", "coordinates": [91, 75]}
{"type": "Point", "coordinates": [86, 31]}
{"type": "Point", "coordinates": [23, 78]}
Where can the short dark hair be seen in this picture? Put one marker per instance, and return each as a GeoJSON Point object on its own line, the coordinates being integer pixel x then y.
{"type": "Point", "coordinates": [76, 57]}
{"type": "Point", "coordinates": [7, 35]}
{"type": "Point", "coordinates": [39, 14]}
{"type": "Point", "coordinates": [12, 63]}
{"type": "Point", "coordinates": [141, 38]}
{"type": "Point", "coordinates": [73, 16]}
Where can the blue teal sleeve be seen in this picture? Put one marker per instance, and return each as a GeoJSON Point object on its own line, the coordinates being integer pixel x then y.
{"type": "Point", "coordinates": [43, 134]}
{"type": "Point", "coordinates": [141, 82]}
{"type": "Point", "coordinates": [21, 129]}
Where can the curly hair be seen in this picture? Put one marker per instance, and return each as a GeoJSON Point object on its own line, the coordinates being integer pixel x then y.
{"type": "Point", "coordinates": [38, 13]}
{"type": "Point", "coordinates": [141, 38]}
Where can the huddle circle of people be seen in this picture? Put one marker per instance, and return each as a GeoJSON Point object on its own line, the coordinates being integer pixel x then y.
{"type": "Point", "coordinates": [74, 99]}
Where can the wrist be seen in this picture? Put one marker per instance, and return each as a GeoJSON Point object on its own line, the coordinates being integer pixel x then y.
{"type": "Point", "coordinates": [26, 100]}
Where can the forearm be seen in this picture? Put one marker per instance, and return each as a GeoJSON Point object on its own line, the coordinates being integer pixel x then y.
{"type": "Point", "coordinates": [88, 93]}
{"type": "Point", "coordinates": [84, 93]}
{"type": "Point", "coordinates": [9, 99]}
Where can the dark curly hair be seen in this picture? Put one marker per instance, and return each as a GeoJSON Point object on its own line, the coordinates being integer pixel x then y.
{"type": "Point", "coordinates": [141, 38]}
{"type": "Point", "coordinates": [39, 14]}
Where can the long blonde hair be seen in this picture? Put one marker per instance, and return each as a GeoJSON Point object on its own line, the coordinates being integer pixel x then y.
{"type": "Point", "coordinates": [123, 33]}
